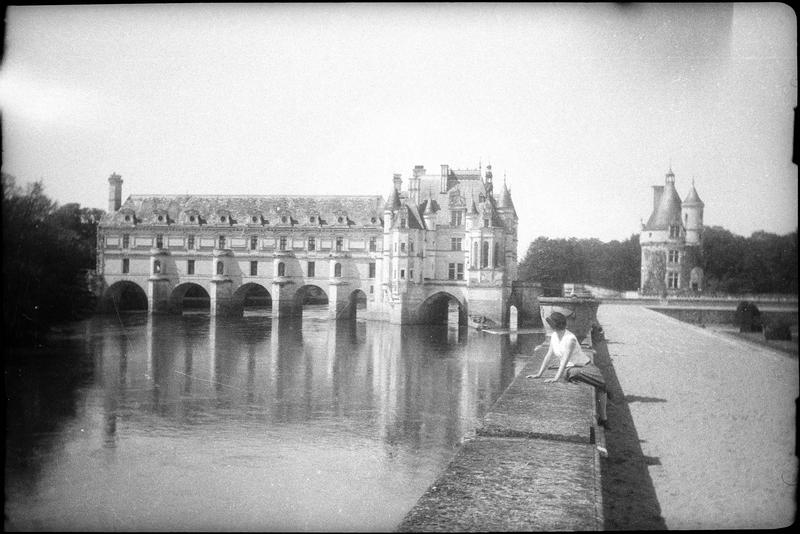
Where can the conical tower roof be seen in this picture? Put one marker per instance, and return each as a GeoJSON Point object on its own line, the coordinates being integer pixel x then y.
{"type": "Point", "coordinates": [693, 197]}
{"type": "Point", "coordinates": [393, 202]}
{"type": "Point", "coordinates": [505, 199]}
{"type": "Point", "coordinates": [667, 211]}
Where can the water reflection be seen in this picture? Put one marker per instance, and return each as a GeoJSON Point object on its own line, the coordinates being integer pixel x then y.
{"type": "Point", "coordinates": [203, 420]}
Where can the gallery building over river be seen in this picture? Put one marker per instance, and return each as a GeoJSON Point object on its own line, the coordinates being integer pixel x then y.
{"type": "Point", "coordinates": [446, 239]}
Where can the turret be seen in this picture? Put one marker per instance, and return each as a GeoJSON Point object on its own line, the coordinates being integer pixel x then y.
{"type": "Point", "coordinates": [429, 215]}
{"type": "Point", "coordinates": [114, 192]}
{"type": "Point", "coordinates": [692, 216]}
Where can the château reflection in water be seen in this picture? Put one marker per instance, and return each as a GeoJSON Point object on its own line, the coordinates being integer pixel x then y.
{"type": "Point", "coordinates": [247, 423]}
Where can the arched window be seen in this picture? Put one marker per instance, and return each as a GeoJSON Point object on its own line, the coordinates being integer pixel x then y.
{"type": "Point", "coordinates": [475, 254]}
{"type": "Point", "coordinates": [496, 254]}
{"type": "Point", "coordinates": [220, 267]}
{"type": "Point", "coordinates": [337, 270]}
{"type": "Point", "coordinates": [485, 255]}
{"type": "Point", "coordinates": [281, 269]}
{"type": "Point", "coordinates": [156, 267]}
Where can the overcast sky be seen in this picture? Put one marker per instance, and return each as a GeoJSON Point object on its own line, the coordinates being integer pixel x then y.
{"type": "Point", "coordinates": [581, 107]}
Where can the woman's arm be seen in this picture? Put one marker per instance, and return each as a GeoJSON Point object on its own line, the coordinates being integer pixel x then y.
{"type": "Point", "coordinates": [546, 359]}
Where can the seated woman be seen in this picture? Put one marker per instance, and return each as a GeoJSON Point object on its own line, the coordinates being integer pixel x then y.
{"type": "Point", "coordinates": [574, 363]}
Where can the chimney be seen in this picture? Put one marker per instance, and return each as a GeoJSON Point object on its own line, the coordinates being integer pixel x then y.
{"type": "Point", "coordinates": [419, 170]}
{"type": "Point", "coordinates": [114, 192]}
{"type": "Point", "coordinates": [398, 182]}
{"type": "Point", "coordinates": [445, 173]}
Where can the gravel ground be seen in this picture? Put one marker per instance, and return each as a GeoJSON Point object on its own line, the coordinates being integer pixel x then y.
{"type": "Point", "coordinates": [703, 426]}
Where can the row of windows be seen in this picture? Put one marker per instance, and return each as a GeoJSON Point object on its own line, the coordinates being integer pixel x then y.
{"type": "Point", "coordinates": [457, 219]}
{"type": "Point", "coordinates": [221, 242]}
{"type": "Point", "coordinates": [220, 269]}
{"type": "Point", "coordinates": [255, 219]}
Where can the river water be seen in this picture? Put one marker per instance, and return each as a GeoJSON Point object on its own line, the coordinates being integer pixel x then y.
{"type": "Point", "coordinates": [192, 422]}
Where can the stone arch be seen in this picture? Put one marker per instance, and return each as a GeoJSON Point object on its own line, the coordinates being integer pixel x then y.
{"type": "Point", "coordinates": [308, 295]}
{"type": "Point", "coordinates": [124, 295]}
{"type": "Point", "coordinates": [252, 296]}
{"type": "Point", "coordinates": [357, 301]}
{"type": "Point", "coordinates": [696, 279]}
{"type": "Point", "coordinates": [513, 317]}
{"type": "Point", "coordinates": [189, 296]}
{"type": "Point", "coordinates": [435, 309]}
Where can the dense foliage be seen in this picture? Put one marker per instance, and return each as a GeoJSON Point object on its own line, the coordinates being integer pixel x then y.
{"type": "Point", "coordinates": [553, 262]}
{"type": "Point", "coordinates": [761, 263]}
{"type": "Point", "coordinates": [47, 250]}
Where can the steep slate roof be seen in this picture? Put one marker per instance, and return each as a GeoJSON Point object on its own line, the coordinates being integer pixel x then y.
{"type": "Point", "coordinates": [692, 197]}
{"type": "Point", "coordinates": [359, 210]}
{"type": "Point", "coordinates": [668, 210]}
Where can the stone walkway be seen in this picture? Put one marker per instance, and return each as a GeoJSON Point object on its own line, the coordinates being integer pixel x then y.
{"type": "Point", "coordinates": [715, 419]}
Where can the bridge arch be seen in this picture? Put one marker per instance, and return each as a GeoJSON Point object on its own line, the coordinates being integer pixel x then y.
{"type": "Point", "coordinates": [436, 308]}
{"type": "Point", "coordinates": [357, 303]}
{"type": "Point", "coordinates": [306, 295]}
{"type": "Point", "coordinates": [189, 296]}
{"type": "Point", "coordinates": [252, 296]}
{"type": "Point", "coordinates": [124, 295]}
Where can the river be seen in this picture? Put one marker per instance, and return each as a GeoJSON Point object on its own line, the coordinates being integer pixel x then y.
{"type": "Point", "coordinates": [137, 422]}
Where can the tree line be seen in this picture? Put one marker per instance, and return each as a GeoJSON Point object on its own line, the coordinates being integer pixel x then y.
{"type": "Point", "coordinates": [732, 264]}
{"type": "Point", "coordinates": [47, 252]}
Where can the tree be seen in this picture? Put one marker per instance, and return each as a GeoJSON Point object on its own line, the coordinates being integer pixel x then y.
{"type": "Point", "coordinates": [46, 252]}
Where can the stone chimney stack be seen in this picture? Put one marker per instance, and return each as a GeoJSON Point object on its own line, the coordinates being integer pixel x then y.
{"type": "Point", "coordinates": [398, 182]}
{"type": "Point", "coordinates": [114, 192]}
{"type": "Point", "coordinates": [445, 174]}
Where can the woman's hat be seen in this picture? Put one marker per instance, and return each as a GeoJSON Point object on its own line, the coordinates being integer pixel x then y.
{"type": "Point", "coordinates": [557, 321]}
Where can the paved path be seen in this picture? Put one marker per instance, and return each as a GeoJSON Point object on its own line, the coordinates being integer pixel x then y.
{"type": "Point", "coordinates": [715, 417]}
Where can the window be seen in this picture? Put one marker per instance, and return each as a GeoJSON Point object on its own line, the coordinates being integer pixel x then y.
{"type": "Point", "coordinates": [253, 242]}
{"type": "Point", "coordinates": [339, 244]}
{"type": "Point", "coordinates": [402, 222]}
{"type": "Point", "coordinates": [312, 219]}
{"type": "Point", "coordinates": [475, 253]}
{"type": "Point", "coordinates": [451, 271]}
{"type": "Point", "coordinates": [222, 218]}
{"type": "Point", "coordinates": [373, 244]}
{"type": "Point", "coordinates": [411, 274]}
{"type": "Point", "coordinates": [337, 270]}
{"type": "Point", "coordinates": [411, 247]}
{"type": "Point", "coordinates": [371, 270]}
{"type": "Point", "coordinates": [312, 244]}
{"type": "Point", "coordinates": [220, 268]}
{"type": "Point", "coordinates": [455, 218]}
{"type": "Point", "coordinates": [253, 268]}
{"type": "Point", "coordinates": [486, 223]}
{"type": "Point", "coordinates": [282, 243]}
{"type": "Point", "coordinates": [222, 241]}
{"type": "Point", "coordinates": [281, 269]}
{"type": "Point", "coordinates": [496, 254]}
{"type": "Point", "coordinates": [485, 255]}
{"type": "Point", "coordinates": [674, 231]}
{"type": "Point", "coordinates": [159, 240]}
{"type": "Point", "coordinates": [126, 265]}
{"type": "Point", "coordinates": [126, 240]}
{"type": "Point", "coordinates": [402, 247]}
{"type": "Point", "coordinates": [156, 267]}
{"type": "Point", "coordinates": [312, 269]}
{"type": "Point", "coordinates": [455, 243]}
{"type": "Point", "coordinates": [673, 256]}
{"type": "Point", "coordinates": [189, 266]}
{"type": "Point", "coordinates": [190, 242]}
{"type": "Point", "coordinates": [254, 219]}
{"type": "Point", "coordinates": [672, 280]}
{"type": "Point", "coordinates": [481, 198]}
{"type": "Point", "coordinates": [402, 274]}
{"type": "Point", "coordinates": [459, 271]}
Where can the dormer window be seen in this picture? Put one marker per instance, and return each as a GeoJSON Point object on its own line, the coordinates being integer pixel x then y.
{"type": "Point", "coordinates": [373, 220]}
{"type": "Point", "coordinates": [284, 219]}
{"type": "Point", "coordinates": [312, 219]}
{"type": "Point", "coordinates": [340, 220]}
{"type": "Point", "coordinates": [254, 219]}
{"type": "Point", "coordinates": [223, 218]}
{"type": "Point", "coordinates": [127, 218]}
{"type": "Point", "coordinates": [192, 218]}
{"type": "Point", "coordinates": [160, 218]}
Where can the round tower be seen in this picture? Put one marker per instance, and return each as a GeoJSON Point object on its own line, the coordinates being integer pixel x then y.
{"type": "Point", "coordinates": [692, 216]}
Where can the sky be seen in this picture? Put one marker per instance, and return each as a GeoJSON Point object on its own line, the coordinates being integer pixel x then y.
{"type": "Point", "coordinates": [580, 108]}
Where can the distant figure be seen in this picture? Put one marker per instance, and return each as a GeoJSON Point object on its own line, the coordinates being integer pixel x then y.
{"type": "Point", "coordinates": [748, 317]}
{"type": "Point", "coordinates": [578, 366]}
